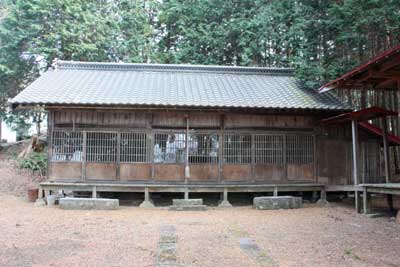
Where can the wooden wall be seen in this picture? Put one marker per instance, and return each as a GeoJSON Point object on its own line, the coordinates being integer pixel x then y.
{"type": "Point", "coordinates": [330, 166]}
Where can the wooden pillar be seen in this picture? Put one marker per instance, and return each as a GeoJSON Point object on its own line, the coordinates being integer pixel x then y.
{"type": "Point", "coordinates": [84, 137]}
{"type": "Point", "coordinates": [221, 148]}
{"type": "Point", "coordinates": [253, 157]}
{"type": "Point", "coordinates": [354, 134]}
{"type": "Point", "coordinates": [118, 158]}
{"type": "Point", "coordinates": [187, 168]}
{"type": "Point", "coordinates": [386, 150]}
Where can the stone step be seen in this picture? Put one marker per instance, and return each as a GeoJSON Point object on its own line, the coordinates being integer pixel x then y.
{"type": "Point", "coordinates": [188, 208]}
{"type": "Point", "coordinates": [187, 202]}
{"type": "Point", "coordinates": [278, 202]}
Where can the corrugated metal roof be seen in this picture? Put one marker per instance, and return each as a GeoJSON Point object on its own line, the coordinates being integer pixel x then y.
{"type": "Point", "coordinates": [83, 83]}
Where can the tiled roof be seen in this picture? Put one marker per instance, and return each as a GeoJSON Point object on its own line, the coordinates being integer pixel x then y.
{"type": "Point", "coordinates": [120, 84]}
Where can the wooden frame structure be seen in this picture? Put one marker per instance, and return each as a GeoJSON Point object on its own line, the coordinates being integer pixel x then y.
{"type": "Point", "coordinates": [379, 78]}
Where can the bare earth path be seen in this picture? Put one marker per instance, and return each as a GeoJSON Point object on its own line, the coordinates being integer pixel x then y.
{"type": "Point", "coordinates": [312, 236]}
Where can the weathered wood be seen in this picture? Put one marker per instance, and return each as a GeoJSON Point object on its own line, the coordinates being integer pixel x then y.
{"type": "Point", "coordinates": [354, 128]}
{"type": "Point", "coordinates": [386, 150]}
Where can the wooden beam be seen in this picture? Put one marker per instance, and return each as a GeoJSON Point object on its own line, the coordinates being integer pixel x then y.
{"type": "Point", "coordinates": [387, 83]}
{"type": "Point", "coordinates": [395, 61]}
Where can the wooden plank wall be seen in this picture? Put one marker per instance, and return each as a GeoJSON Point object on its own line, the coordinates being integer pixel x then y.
{"type": "Point", "coordinates": [151, 120]}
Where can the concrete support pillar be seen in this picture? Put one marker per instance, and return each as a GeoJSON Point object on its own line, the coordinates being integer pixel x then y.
{"type": "Point", "coordinates": [94, 192]}
{"type": "Point", "coordinates": [147, 203]}
{"type": "Point", "coordinates": [275, 191]}
{"type": "Point", "coordinates": [224, 203]}
{"type": "Point", "coordinates": [322, 198]}
{"type": "Point", "coordinates": [186, 193]}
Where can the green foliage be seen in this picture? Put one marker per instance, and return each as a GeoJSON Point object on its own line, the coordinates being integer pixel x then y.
{"type": "Point", "coordinates": [320, 39]}
{"type": "Point", "coordinates": [35, 162]}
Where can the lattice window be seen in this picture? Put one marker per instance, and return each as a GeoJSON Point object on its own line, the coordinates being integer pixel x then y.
{"type": "Point", "coordinates": [299, 149]}
{"type": "Point", "coordinates": [169, 148]}
{"type": "Point", "coordinates": [101, 146]}
{"type": "Point", "coordinates": [134, 147]}
{"type": "Point", "coordinates": [268, 149]}
{"type": "Point", "coordinates": [237, 148]}
{"type": "Point", "coordinates": [203, 148]}
{"type": "Point", "coordinates": [66, 145]}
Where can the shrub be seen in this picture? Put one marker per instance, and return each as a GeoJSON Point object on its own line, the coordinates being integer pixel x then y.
{"type": "Point", "coordinates": [35, 162]}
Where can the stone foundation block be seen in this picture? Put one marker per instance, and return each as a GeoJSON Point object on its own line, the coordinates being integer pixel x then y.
{"type": "Point", "coordinates": [89, 203]}
{"type": "Point", "coordinates": [187, 202]}
{"type": "Point", "coordinates": [277, 202]}
{"type": "Point", "coordinates": [189, 208]}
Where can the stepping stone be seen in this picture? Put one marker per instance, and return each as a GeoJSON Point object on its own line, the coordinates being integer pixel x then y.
{"type": "Point", "coordinates": [277, 202]}
{"type": "Point", "coordinates": [255, 252]}
{"type": "Point", "coordinates": [166, 250]}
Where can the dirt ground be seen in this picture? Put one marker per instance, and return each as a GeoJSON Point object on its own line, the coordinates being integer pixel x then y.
{"type": "Point", "coordinates": [312, 236]}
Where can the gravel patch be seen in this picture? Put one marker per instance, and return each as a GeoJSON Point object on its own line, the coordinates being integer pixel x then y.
{"type": "Point", "coordinates": [130, 236]}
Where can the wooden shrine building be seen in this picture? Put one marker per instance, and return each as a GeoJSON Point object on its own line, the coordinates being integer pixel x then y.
{"type": "Point", "coordinates": [184, 128]}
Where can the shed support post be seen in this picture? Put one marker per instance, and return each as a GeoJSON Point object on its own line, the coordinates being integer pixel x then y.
{"type": "Point", "coordinates": [387, 160]}
{"type": "Point", "coordinates": [366, 200]}
{"type": "Point", "coordinates": [354, 134]}
{"type": "Point", "coordinates": [147, 203]}
{"type": "Point", "coordinates": [386, 150]}
{"type": "Point", "coordinates": [224, 203]}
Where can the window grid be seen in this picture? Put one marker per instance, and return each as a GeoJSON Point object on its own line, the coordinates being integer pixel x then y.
{"type": "Point", "coordinates": [299, 149]}
{"type": "Point", "coordinates": [269, 149]}
{"type": "Point", "coordinates": [134, 147]}
{"type": "Point", "coordinates": [169, 148]}
{"type": "Point", "coordinates": [237, 148]}
{"type": "Point", "coordinates": [203, 148]}
{"type": "Point", "coordinates": [67, 145]}
{"type": "Point", "coordinates": [101, 146]}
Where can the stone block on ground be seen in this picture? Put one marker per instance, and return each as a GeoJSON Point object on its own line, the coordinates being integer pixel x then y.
{"type": "Point", "coordinates": [187, 202]}
{"type": "Point", "coordinates": [277, 202]}
{"type": "Point", "coordinates": [189, 208]}
{"type": "Point", "coordinates": [89, 203]}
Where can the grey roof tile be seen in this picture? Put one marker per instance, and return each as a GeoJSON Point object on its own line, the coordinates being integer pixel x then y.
{"type": "Point", "coordinates": [80, 83]}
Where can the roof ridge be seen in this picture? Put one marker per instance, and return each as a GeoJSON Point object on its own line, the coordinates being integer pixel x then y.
{"type": "Point", "coordinates": [82, 65]}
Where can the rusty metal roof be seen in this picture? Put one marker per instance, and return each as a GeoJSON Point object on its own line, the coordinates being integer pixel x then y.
{"type": "Point", "coordinates": [121, 84]}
